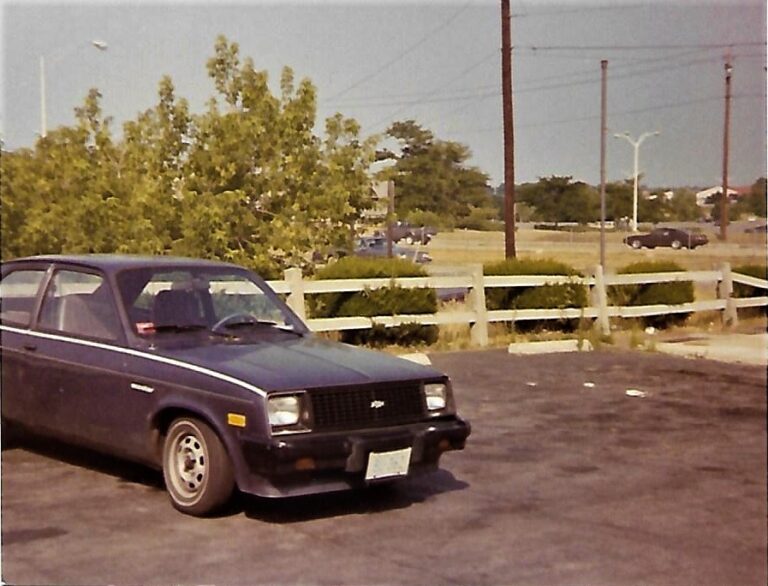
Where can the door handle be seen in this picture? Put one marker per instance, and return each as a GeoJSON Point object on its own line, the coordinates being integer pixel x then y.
{"type": "Point", "coordinates": [30, 347]}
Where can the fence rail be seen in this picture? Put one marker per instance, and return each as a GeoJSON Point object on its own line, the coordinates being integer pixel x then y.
{"type": "Point", "coordinates": [478, 316]}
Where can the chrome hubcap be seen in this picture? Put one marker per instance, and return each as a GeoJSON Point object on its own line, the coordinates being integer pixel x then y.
{"type": "Point", "coordinates": [190, 464]}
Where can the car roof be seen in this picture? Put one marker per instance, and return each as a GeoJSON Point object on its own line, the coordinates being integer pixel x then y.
{"type": "Point", "coordinates": [110, 263]}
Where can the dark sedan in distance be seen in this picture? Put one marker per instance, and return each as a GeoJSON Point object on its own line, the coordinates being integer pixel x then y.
{"type": "Point", "coordinates": [199, 369]}
{"type": "Point", "coordinates": [672, 237]}
{"type": "Point", "coordinates": [376, 247]}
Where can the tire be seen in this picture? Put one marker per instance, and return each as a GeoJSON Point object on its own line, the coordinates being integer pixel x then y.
{"type": "Point", "coordinates": [197, 470]}
{"type": "Point", "coordinates": [409, 239]}
{"type": "Point", "coordinates": [676, 244]}
{"type": "Point", "coordinates": [636, 244]}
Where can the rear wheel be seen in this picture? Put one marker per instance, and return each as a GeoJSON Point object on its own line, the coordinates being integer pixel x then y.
{"type": "Point", "coordinates": [198, 472]}
{"type": "Point", "coordinates": [636, 244]}
{"type": "Point", "coordinates": [676, 244]}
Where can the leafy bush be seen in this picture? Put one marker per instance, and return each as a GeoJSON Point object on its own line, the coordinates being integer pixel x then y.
{"type": "Point", "coordinates": [741, 290]}
{"type": "Point", "coordinates": [422, 218]}
{"type": "Point", "coordinates": [675, 293]}
{"type": "Point", "coordinates": [557, 296]}
{"type": "Point", "coordinates": [393, 300]}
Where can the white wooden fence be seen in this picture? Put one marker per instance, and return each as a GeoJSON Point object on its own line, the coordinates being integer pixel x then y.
{"type": "Point", "coordinates": [478, 316]}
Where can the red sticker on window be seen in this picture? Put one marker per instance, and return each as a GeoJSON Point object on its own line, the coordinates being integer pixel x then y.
{"type": "Point", "coordinates": [146, 327]}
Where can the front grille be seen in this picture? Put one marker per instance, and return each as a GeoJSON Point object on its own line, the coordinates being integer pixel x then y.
{"type": "Point", "coordinates": [365, 407]}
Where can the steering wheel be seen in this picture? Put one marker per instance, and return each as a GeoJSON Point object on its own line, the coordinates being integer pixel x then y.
{"type": "Point", "coordinates": [232, 320]}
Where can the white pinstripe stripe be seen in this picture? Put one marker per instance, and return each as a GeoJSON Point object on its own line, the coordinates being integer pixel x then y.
{"type": "Point", "coordinates": [140, 354]}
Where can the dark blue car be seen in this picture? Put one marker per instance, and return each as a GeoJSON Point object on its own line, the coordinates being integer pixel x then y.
{"type": "Point", "coordinates": [199, 369]}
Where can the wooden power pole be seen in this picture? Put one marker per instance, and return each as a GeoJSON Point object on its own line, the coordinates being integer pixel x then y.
{"type": "Point", "coordinates": [509, 131]}
{"type": "Point", "coordinates": [603, 129]}
{"type": "Point", "coordinates": [726, 131]}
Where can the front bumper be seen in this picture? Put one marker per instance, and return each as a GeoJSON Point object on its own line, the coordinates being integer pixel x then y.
{"type": "Point", "coordinates": [315, 463]}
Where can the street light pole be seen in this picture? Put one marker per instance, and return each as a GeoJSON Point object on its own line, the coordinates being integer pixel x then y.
{"type": "Point", "coordinates": [636, 145]}
{"type": "Point", "coordinates": [43, 120]}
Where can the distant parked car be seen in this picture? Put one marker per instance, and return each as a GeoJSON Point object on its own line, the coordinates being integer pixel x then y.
{"type": "Point", "coordinates": [411, 234]}
{"type": "Point", "coordinates": [376, 246]}
{"type": "Point", "coordinates": [673, 237]}
{"type": "Point", "coordinates": [761, 229]}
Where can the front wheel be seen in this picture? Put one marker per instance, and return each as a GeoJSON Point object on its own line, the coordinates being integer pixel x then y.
{"type": "Point", "coordinates": [197, 470]}
{"type": "Point", "coordinates": [636, 244]}
{"type": "Point", "coordinates": [676, 244]}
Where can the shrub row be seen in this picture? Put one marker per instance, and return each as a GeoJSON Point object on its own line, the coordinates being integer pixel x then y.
{"type": "Point", "coordinates": [392, 300]}
{"type": "Point", "coordinates": [558, 296]}
{"type": "Point", "coordinates": [654, 293]}
{"type": "Point", "coordinates": [395, 300]}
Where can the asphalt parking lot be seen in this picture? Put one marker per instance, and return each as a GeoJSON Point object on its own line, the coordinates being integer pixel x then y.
{"type": "Point", "coordinates": [566, 479]}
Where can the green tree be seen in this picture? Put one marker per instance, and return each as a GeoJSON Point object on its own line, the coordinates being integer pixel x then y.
{"type": "Point", "coordinates": [152, 162]}
{"type": "Point", "coordinates": [683, 207]}
{"type": "Point", "coordinates": [294, 192]}
{"type": "Point", "coordinates": [560, 199]}
{"type": "Point", "coordinates": [65, 194]}
{"type": "Point", "coordinates": [619, 198]}
{"type": "Point", "coordinates": [248, 180]}
{"type": "Point", "coordinates": [431, 175]}
{"type": "Point", "coordinates": [756, 201]}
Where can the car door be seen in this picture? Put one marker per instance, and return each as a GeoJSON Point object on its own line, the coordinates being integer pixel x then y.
{"type": "Point", "coordinates": [23, 395]}
{"type": "Point", "coordinates": [80, 344]}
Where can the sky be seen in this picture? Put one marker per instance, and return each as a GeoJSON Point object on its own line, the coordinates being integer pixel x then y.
{"type": "Point", "coordinates": [438, 63]}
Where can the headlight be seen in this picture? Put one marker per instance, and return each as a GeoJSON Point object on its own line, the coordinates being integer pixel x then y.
{"type": "Point", "coordinates": [284, 410]}
{"type": "Point", "coordinates": [436, 395]}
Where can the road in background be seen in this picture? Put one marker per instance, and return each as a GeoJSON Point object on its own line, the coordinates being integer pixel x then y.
{"type": "Point", "coordinates": [452, 251]}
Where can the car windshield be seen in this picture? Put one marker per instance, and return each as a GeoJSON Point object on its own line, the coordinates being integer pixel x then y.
{"type": "Point", "coordinates": [224, 300]}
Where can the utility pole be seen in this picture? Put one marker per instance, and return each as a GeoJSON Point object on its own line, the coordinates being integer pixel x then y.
{"type": "Point", "coordinates": [509, 131]}
{"type": "Point", "coordinates": [603, 128]}
{"type": "Point", "coordinates": [724, 200]}
{"type": "Point", "coordinates": [390, 215]}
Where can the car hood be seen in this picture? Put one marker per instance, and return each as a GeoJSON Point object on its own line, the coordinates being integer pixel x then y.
{"type": "Point", "coordinates": [301, 363]}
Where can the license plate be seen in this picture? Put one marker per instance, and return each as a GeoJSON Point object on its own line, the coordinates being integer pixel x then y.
{"type": "Point", "coordinates": [388, 464]}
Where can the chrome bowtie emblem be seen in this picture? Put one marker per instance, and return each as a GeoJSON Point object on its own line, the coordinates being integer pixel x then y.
{"type": "Point", "coordinates": [377, 404]}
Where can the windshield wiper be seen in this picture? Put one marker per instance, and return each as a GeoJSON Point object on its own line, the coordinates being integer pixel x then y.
{"type": "Point", "coordinates": [237, 321]}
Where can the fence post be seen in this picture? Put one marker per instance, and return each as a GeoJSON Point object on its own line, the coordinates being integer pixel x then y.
{"type": "Point", "coordinates": [478, 331]}
{"type": "Point", "coordinates": [295, 298]}
{"type": "Point", "coordinates": [599, 299]}
{"type": "Point", "coordinates": [725, 291]}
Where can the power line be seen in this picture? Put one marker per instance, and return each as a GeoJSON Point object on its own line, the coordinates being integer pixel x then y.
{"type": "Point", "coordinates": [655, 47]}
{"type": "Point", "coordinates": [486, 91]}
{"type": "Point", "coordinates": [666, 106]}
{"type": "Point", "coordinates": [403, 53]}
{"type": "Point", "coordinates": [589, 81]}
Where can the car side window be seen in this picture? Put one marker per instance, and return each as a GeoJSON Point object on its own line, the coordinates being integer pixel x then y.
{"type": "Point", "coordinates": [18, 292]}
{"type": "Point", "coordinates": [81, 304]}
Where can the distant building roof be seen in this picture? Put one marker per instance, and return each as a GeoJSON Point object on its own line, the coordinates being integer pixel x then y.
{"type": "Point", "coordinates": [704, 195]}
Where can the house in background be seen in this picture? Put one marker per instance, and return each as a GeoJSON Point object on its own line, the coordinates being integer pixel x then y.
{"type": "Point", "coordinates": [707, 196]}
